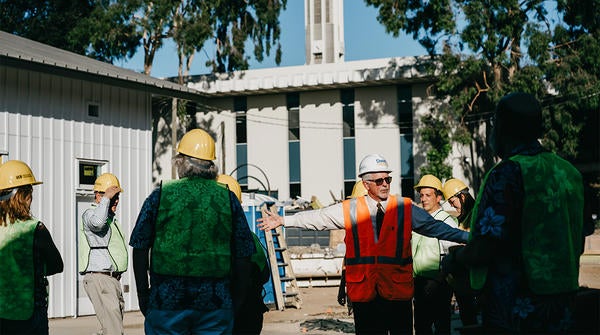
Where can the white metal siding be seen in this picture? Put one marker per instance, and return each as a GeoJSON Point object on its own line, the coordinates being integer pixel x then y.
{"type": "Point", "coordinates": [44, 122]}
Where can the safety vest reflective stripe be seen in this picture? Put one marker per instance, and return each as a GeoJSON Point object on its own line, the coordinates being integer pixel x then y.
{"type": "Point", "coordinates": [398, 259]}
{"type": "Point", "coordinates": [382, 268]}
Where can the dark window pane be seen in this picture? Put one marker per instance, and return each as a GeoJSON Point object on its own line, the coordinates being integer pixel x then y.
{"type": "Point", "coordinates": [294, 152]}
{"type": "Point", "coordinates": [349, 159]}
{"type": "Point", "coordinates": [407, 187]}
{"type": "Point", "coordinates": [293, 107]}
{"type": "Point", "coordinates": [295, 190]}
{"type": "Point", "coordinates": [348, 186]}
{"type": "Point", "coordinates": [240, 106]}
{"type": "Point", "coordinates": [406, 156]}
{"type": "Point", "coordinates": [347, 99]}
{"type": "Point", "coordinates": [241, 155]}
{"type": "Point", "coordinates": [88, 173]}
{"type": "Point", "coordinates": [405, 112]}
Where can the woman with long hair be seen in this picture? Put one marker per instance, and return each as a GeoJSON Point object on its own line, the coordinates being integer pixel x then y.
{"type": "Point", "coordinates": [457, 194]}
{"type": "Point", "coordinates": [27, 255]}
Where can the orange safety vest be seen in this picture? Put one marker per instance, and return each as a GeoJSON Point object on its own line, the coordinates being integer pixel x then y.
{"type": "Point", "coordinates": [383, 268]}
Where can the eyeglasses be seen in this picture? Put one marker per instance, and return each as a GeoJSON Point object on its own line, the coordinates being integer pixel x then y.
{"type": "Point", "coordinates": [379, 181]}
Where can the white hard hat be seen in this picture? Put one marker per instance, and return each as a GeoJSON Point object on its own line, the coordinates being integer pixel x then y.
{"type": "Point", "coordinates": [373, 163]}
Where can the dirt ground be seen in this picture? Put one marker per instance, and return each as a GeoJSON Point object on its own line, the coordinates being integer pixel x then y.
{"type": "Point", "coordinates": [320, 313]}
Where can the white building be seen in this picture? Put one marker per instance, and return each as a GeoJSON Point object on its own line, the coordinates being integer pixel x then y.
{"type": "Point", "coordinates": [71, 118]}
{"type": "Point", "coordinates": [307, 127]}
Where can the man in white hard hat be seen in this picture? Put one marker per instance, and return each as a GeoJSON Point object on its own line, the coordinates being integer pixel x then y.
{"type": "Point", "coordinates": [379, 275]}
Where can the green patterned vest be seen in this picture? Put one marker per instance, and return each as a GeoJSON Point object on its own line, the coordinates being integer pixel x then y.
{"type": "Point", "coordinates": [551, 224]}
{"type": "Point", "coordinates": [17, 275]}
{"type": "Point", "coordinates": [193, 229]}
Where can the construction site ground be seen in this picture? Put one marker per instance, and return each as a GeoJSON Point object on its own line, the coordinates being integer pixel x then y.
{"type": "Point", "coordinates": [320, 313]}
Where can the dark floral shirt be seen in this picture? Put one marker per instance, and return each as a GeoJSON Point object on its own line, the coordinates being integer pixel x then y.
{"type": "Point", "coordinates": [177, 293]}
{"type": "Point", "coordinates": [506, 299]}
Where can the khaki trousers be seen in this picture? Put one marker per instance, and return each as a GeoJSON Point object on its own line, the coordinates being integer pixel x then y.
{"type": "Point", "coordinates": [107, 297]}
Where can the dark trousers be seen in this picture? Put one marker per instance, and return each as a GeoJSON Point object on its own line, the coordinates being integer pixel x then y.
{"type": "Point", "coordinates": [382, 316]}
{"type": "Point", "coordinates": [36, 325]}
{"type": "Point", "coordinates": [467, 307]}
{"type": "Point", "coordinates": [433, 306]}
{"type": "Point", "coordinates": [249, 319]}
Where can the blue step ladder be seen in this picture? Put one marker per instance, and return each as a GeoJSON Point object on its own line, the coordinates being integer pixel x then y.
{"type": "Point", "coordinates": [285, 286]}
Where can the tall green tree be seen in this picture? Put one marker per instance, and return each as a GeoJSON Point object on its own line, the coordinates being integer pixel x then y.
{"type": "Point", "coordinates": [483, 49]}
{"type": "Point", "coordinates": [49, 22]}
{"type": "Point", "coordinates": [227, 24]}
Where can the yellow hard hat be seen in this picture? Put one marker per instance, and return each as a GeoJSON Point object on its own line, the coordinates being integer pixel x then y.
{"type": "Point", "coordinates": [452, 187]}
{"type": "Point", "coordinates": [429, 180]}
{"type": "Point", "coordinates": [15, 173]}
{"type": "Point", "coordinates": [105, 181]}
{"type": "Point", "coordinates": [197, 143]}
{"type": "Point", "coordinates": [358, 190]}
{"type": "Point", "coordinates": [233, 185]}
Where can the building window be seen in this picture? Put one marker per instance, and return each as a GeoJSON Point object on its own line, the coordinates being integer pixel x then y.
{"type": "Point", "coordinates": [349, 159]}
{"type": "Point", "coordinates": [93, 110]}
{"type": "Point", "coordinates": [240, 106]}
{"type": "Point", "coordinates": [88, 172]}
{"type": "Point", "coordinates": [405, 110]}
{"type": "Point", "coordinates": [407, 165]}
{"type": "Point", "coordinates": [405, 125]}
{"type": "Point", "coordinates": [347, 99]}
{"type": "Point", "coordinates": [295, 190]}
{"type": "Point", "coordinates": [293, 107]}
{"type": "Point", "coordinates": [348, 187]}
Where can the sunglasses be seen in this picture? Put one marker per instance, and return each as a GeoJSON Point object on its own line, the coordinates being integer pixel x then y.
{"type": "Point", "coordinates": [379, 181]}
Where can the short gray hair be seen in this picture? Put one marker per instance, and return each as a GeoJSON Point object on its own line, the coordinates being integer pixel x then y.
{"type": "Point", "coordinates": [187, 166]}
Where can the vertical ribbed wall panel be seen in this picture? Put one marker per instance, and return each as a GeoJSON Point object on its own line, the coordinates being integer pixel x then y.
{"type": "Point", "coordinates": [44, 122]}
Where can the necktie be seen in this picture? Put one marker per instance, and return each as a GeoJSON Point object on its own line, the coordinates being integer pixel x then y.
{"type": "Point", "coordinates": [379, 218]}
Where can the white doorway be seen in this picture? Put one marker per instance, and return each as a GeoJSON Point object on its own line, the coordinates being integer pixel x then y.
{"type": "Point", "coordinates": [84, 305]}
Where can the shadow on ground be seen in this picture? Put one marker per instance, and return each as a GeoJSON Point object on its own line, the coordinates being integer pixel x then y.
{"type": "Point", "coordinates": [333, 325]}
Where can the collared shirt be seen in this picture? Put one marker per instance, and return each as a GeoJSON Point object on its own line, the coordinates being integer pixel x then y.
{"type": "Point", "coordinates": [332, 217]}
{"type": "Point", "coordinates": [97, 231]}
{"type": "Point", "coordinates": [445, 245]}
{"type": "Point", "coordinates": [177, 293]}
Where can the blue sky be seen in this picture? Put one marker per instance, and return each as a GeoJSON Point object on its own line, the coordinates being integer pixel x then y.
{"type": "Point", "coordinates": [365, 38]}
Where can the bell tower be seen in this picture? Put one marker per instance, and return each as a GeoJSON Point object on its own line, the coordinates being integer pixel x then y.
{"type": "Point", "coordinates": [324, 27]}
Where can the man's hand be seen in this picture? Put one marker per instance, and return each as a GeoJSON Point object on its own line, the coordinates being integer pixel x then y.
{"type": "Point", "coordinates": [270, 220]}
{"type": "Point", "coordinates": [111, 191]}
